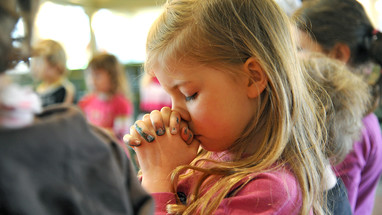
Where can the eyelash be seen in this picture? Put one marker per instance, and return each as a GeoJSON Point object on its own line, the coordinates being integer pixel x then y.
{"type": "Point", "coordinates": [189, 98]}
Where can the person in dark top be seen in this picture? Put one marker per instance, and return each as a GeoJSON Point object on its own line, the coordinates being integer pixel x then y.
{"type": "Point", "coordinates": [56, 163]}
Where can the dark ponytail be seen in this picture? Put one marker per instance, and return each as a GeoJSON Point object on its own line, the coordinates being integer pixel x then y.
{"type": "Point", "coordinates": [375, 53]}
{"type": "Point", "coordinates": [376, 47]}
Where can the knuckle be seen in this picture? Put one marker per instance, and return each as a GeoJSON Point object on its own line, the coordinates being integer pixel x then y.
{"type": "Point", "coordinates": [146, 116]}
{"type": "Point", "coordinates": [165, 109]}
{"type": "Point", "coordinates": [154, 112]}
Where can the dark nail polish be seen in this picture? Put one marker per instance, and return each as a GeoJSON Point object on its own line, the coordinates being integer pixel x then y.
{"type": "Point", "coordinates": [134, 143]}
{"type": "Point", "coordinates": [189, 138]}
{"type": "Point", "coordinates": [146, 136]}
{"type": "Point", "coordinates": [173, 130]}
{"type": "Point", "coordinates": [160, 131]}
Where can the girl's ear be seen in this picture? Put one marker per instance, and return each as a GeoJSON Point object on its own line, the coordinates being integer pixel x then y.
{"type": "Point", "coordinates": [340, 52]}
{"type": "Point", "coordinates": [257, 79]}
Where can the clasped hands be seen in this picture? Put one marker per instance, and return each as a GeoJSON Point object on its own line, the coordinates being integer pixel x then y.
{"type": "Point", "coordinates": [162, 142]}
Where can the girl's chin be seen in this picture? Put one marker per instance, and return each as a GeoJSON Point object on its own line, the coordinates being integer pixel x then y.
{"type": "Point", "coordinates": [211, 148]}
{"type": "Point", "coordinates": [209, 145]}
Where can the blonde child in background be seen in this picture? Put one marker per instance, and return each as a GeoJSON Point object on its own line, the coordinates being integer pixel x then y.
{"type": "Point", "coordinates": [108, 105]}
{"type": "Point", "coordinates": [48, 65]}
{"type": "Point", "coordinates": [232, 71]}
{"type": "Point", "coordinates": [349, 102]}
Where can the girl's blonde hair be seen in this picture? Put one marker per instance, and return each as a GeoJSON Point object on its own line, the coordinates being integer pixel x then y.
{"type": "Point", "coordinates": [53, 53]}
{"type": "Point", "coordinates": [111, 65]}
{"type": "Point", "coordinates": [349, 101]}
{"type": "Point", "coordinates": [224, 34]}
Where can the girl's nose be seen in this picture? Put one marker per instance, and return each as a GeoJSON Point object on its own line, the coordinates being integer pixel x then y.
{"type": "Point", "coordinates": [181, 108]}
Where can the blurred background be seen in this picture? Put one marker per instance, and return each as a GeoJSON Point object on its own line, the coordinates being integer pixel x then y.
{"type": "Point", "coordinates": [119, 27]}
{"type": "Point", "coordinates": [86, 27]}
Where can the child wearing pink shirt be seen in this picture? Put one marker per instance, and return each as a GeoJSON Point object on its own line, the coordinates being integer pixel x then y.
{"type": "Point", "coordinates": [107, 106]}
{"type": "Point", "coordinates": [244, 135]}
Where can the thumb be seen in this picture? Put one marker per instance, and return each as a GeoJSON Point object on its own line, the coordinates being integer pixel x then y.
{"type": "Point", "coordinates": [188, 138]}
{"type": "Point", "coordinates": [187, 135]}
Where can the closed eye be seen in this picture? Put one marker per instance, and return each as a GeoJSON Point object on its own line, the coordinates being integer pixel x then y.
{"type": "Point", "coordinates": [189, 98]}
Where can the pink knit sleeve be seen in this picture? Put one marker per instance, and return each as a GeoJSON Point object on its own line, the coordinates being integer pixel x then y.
{"type": "Point", "coordinates": [268, 193]}
{"type": "Point", "coordinates": [162, 200]}
{"type": "Point", "coordinates": [275, 192]}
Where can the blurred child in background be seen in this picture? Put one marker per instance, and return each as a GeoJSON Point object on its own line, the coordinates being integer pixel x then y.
{"type": "Point", "coordinates": [108, 105]}
{"type": "Point", "coordinates": [343, 30]}
{"type": "Point", "coordinates": [349, 99]}
{"type": "Point", "coordinates": [49, 67]}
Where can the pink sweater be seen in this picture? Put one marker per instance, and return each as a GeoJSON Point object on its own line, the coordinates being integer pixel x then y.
{"type": "Point", "coordinates": [103, 112]}
{"type": "Point", "coordinates": [275, 192]}
{"type": "Point", "coordinates": [361, 170]}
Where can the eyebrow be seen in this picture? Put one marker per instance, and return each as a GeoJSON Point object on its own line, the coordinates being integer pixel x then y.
{"type": "Point", "coordinates": [180, 83]}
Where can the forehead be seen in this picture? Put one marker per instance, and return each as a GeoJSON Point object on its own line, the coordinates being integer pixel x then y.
{"type": "Point", "coordinates": [172, 75]}
{"type": "Point", "coordinates": [175, 71]}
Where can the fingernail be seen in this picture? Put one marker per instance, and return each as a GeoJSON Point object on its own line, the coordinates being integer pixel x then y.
{"type": "Point", "coordinates": [189, 136]}
{"type": "Point", "coordinates": [126, 138]}
{"type": "Point", "coordinates": [173, 130]}
{"type": "Point", "coordinates": [134, 143]}
{"type": "Point", "coordinates": [160, 131]}
{"type": "Point", "coordinates": [146, 136]}
{"type": "Point", "coordinates": [130, 142]}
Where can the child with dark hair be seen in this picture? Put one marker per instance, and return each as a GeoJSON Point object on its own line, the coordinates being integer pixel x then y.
{"type": "Point", "coordinates": [341, 29]}
{"type": "Point", "coordinates": [349, 99]}
{"type": "Point", "coordinates": [108, 104]}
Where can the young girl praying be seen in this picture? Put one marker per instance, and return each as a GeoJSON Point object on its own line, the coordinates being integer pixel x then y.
{"type": "Point", "coordinates": [251, 140]}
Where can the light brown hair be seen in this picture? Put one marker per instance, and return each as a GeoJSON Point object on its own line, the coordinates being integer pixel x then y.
{"type": "Point", "coordinates": [113, 67]}
{"type": "Point", "coordinates": [349, 101]}
{"type": "Point", "coordinates": [223, 34]}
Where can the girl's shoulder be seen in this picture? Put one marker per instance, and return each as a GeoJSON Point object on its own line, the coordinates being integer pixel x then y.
{"type": "Point", "coordinates": [371, 131]}
{"type": "Point", "coordinates": [276, 191]}
{"type": "Point", "coordinates": [279, 181]}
